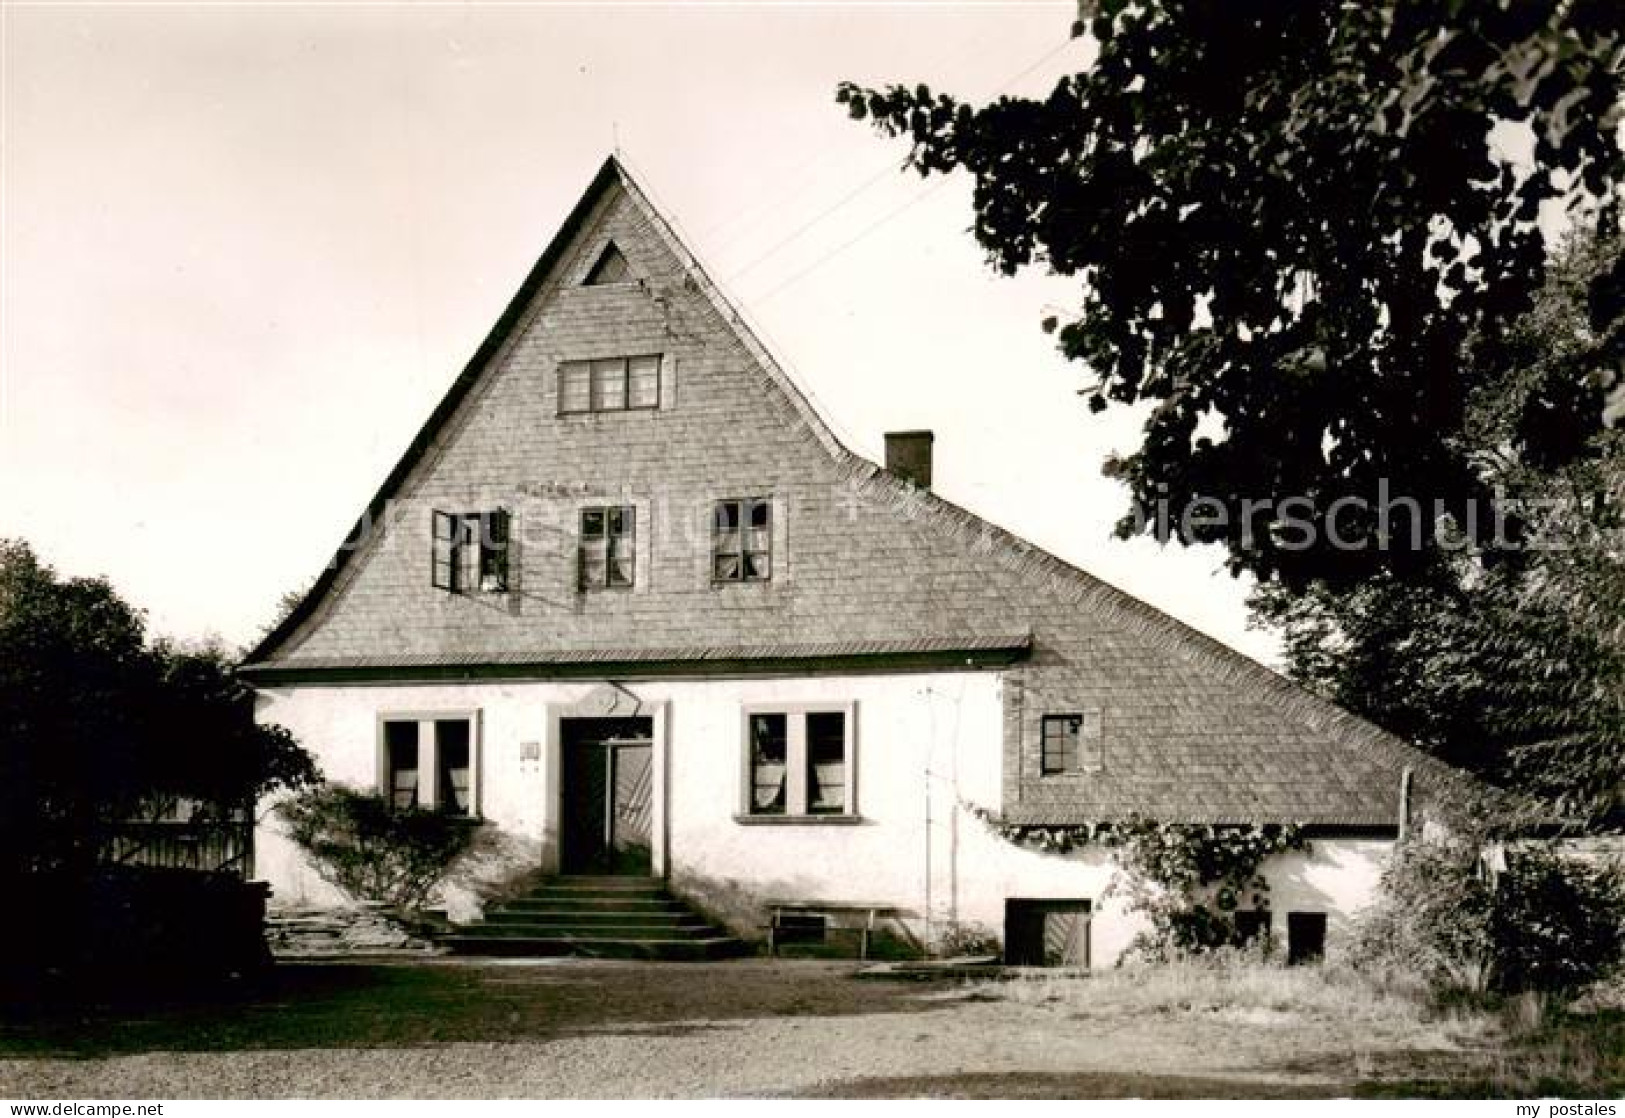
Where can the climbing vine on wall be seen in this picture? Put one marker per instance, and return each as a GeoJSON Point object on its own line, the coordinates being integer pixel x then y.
{"type": "Point", "coordinates": [1190, 880]}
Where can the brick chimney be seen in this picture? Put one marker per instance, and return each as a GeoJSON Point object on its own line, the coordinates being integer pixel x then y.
{"type": "Point", "coordinates": [908, 454]}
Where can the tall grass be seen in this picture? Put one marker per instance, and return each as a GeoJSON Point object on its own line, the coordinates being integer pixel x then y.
{"type": "Point", "coordinates": [1457, 1043]}
{"type": "Point", "coordinates": [1227, 984]}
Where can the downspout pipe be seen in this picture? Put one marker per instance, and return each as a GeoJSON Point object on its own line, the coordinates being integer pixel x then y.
{"type": "Point", "coordinates": [1405, 780]}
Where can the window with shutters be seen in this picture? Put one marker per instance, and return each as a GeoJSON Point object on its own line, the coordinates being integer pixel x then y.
{"type": "Point", "coordinates": [470, 551]}
{"type": "Point", "coordinates": [1071, 743]}
{"type": "Point", "coordinates": [799, 762]}
{"type": "Point", "coordinates": [430, 761]}
{"type": "Point", "coordinates": [608, 550]}
{"type": "Point", "coordinates": [742, 540]}
{"type": "Point", "coordinates": [610, 384]}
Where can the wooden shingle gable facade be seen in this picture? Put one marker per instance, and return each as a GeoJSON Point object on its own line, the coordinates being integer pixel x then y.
{"type": "Point", "coordinates": [677, 516]}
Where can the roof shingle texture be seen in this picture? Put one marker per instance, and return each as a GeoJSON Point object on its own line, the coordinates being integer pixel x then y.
{"type": "Point", "coordinates": [1192, 730]}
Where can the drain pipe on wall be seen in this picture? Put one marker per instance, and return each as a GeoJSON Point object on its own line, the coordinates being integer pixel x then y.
{"type": "Point", "coordinates": [929, 777]}
{"type": "Point", "coordinates": [925, 783]}
{"type": "Point", "coordinates": [1405, 804]}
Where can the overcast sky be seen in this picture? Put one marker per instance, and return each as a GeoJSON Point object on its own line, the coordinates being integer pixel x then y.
{"type": "Point", "coordinates": [246, 249]}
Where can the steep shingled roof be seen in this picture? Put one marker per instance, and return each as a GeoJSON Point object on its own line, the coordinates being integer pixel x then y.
{"type": "Point", "coordinates": [1325, 722]}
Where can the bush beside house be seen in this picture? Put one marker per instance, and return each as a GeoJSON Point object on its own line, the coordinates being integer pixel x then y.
{"type": "Point", "coordinates": [375, 852]}
{"type": "Point", "coordinates": [127, 788]}
{"type": "Point", "coordinates": [1530, 920]}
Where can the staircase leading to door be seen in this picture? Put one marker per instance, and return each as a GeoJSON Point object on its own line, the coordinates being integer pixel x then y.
{"type": "Point", "coordinates": [600, 917]}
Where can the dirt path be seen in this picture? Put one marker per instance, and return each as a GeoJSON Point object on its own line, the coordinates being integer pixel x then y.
{"type": "Point", "coordinates": [752, 1027]}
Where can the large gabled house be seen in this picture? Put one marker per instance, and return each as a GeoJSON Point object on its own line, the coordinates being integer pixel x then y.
{"type": "Point", "coordinates": [627, 599]}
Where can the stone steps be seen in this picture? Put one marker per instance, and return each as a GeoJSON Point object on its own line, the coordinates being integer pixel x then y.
{"type": "Point", "coordinates": [598, 917]}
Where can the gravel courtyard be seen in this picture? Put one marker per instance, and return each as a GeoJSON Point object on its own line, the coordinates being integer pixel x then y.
{"type": "Point", "coordinates": [578, 1028]}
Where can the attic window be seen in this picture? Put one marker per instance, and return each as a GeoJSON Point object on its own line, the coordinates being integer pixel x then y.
{"type": "Point", "coordinates": [470, 551]}
{"type": "Point", "coordinates": [611, 268]}
{"type": "Point", "coordinates": [613, 384]}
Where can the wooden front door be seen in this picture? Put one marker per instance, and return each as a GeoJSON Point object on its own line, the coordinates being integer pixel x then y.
{"type": "Point", "coordinates": [608, 795]}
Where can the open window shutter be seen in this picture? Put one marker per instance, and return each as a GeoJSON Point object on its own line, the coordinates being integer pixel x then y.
{"type": "Point", "coordinates": [494, 551]}
{"type": "Point", "coordinates": [1092, 741]}
{"type": "Point", "coordinates": [444, 551]}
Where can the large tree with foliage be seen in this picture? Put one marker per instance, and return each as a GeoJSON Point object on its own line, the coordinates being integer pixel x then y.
{"type": "Point", "coordinates": [1513, 669]}
{"type": "Point", "coordinates": [1513, 666]}
{"type": "Point", "coordinates": [1309, 238]}
{"type": "Point", "coordinates": [1300, 240]}
{"type": "Point", "coordinates": [98, 725]}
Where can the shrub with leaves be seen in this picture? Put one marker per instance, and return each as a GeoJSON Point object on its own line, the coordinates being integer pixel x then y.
{"type": "Point", "coordinates": [1190, 880]}
{"type": "Point", "coordinates": [104, 727]}
{"type": "Point", "coordinates": [373, 851]}
{"type": "Point", "coordinates": [1558, 924]}
{"type": "Point", "coordinates": [1544, 923]}
{"type": "Point", "coordinates": [1432, 916]}
{"type": "Point", "coordinates": [967, 938]}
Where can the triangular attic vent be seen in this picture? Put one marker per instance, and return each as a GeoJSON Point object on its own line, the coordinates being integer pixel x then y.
{"type": "Point", "coordinates": [611, 267]}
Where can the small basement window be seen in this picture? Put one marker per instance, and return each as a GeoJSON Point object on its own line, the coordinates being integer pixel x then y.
{"type": "Point", "coordinates": [801, 927]}
{"type": "Point", "coordinates": [1305, 937]}
{"type": "Point", "coordinates": [470, 551]}
{"type": "Point", "coordinates": [1252, 925]}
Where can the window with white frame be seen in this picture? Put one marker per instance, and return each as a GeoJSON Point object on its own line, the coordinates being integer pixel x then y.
{"type": "Point", "coordinates": [470, 551]}
{"type": "Point", "coordinates": [610, 384]}
{"type": "Point", "coordinates": [608, 551]}
{"type": "Point", "coordinates": [430, 761]}
{"type": "Point", "coordinates": [799, 761]}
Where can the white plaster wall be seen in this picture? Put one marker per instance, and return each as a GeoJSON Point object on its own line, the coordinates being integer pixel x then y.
{"type": "Point", "coordinates": [928, 749]}
{"type": "Point", "coordinates": [339, 726]}
{"type": "Point", "coordinates": [1337, 876]}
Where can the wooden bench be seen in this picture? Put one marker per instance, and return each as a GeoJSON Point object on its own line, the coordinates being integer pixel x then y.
{"type": "Point", "coordinates": [870, 911]}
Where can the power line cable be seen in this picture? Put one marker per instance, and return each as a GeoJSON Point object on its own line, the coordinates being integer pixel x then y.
{"type": "Point", "coordinates": [767, 204]}
{"type": "Point", "coordinates": [776, 352]}
{"type": "Point", "coordinates": [888, 169]}
{"type": "Point", "coordinates": [864, 186]}
{"type": "Point", "coordinates": [860, 235]}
